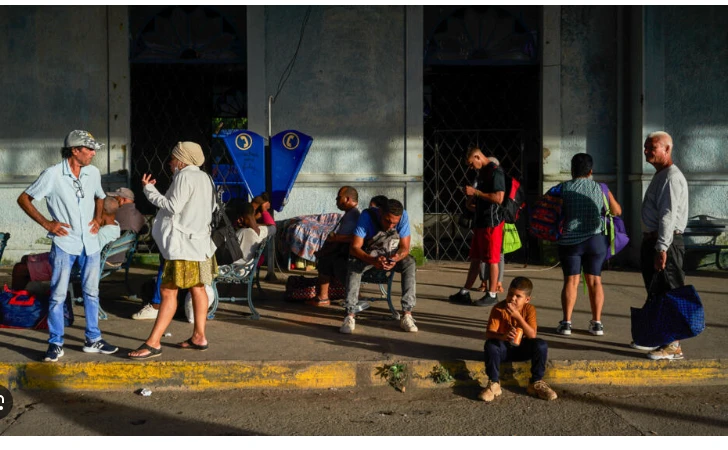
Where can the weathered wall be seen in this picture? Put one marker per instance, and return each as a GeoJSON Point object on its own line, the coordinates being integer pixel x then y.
{"type": "Point", "coordinates": [589, 87]}
{"type": "Point", "coordinates": [347, 90]}
{"type": "Point", "coordinates": [696, 95]}
{"type": "Point", "coordinates": [55, 77]}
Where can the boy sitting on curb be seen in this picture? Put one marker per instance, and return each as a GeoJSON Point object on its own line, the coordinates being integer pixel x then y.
{"type": "Point", "coordinates": [508, 319]}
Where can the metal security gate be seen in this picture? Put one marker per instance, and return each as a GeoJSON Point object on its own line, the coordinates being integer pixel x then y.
{"type": "Point", "coordinates": [481, 88]}
{"type": "Point", "coordinates": [188, 80]}
{"type": "Point", "coordinates": [493, 108]}
{"type": "Point", "coordinates": [446, 174]}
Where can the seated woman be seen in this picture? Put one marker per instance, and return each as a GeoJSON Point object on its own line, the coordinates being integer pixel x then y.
{"type": "Point", "coordinates": [251, 234]}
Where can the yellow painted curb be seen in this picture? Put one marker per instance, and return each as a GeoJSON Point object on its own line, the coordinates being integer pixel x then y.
{"type": "Point", "coordinates": [343, 374]}
{"type": "Point", "coordinates": [191, 375]}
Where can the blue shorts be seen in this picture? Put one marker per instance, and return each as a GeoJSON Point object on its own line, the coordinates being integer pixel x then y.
{"type": "Point", "coordinates": [589, 254]}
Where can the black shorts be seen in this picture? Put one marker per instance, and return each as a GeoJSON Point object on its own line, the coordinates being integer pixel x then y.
{"type": "Point", "coordinates": [589, 254]}
{"type": "Point", "coordinates": [333, 266]}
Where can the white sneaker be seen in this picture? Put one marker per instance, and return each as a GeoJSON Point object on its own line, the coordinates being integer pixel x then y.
{"type": "Point", "coordinates": [146, 313]}
{"type": "Point", "coordinates": [641, 347]}
{"type": "Point", "coordinates": [348, 326]}
{"type": "Point", "coordinates": [408, 323]}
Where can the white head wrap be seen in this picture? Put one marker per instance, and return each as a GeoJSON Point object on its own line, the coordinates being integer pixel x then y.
{"type": "Point", "coordinates": [189, 153]}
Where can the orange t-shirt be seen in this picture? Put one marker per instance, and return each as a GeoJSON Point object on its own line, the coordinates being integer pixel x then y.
{"type": "Point", "coordinates": [500, 320]}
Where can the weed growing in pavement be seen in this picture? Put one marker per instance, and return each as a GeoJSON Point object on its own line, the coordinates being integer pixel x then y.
{"type": "Point", "coordinates": [395, 374]}
{"type": "Point", "coordinates": [440, 374]}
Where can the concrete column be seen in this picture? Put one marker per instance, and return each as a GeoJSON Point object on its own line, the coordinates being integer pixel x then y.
{"type": "Point", "coordinates": [119, 121]}
{"type": "Point", "coordinates": [646, 103]}
{"type": "Point", "coordinates": [551, 96]}
{"type": "Point", "coordinates": [414, 143]}
{"type": "Point", "coordinates": [257, 93]}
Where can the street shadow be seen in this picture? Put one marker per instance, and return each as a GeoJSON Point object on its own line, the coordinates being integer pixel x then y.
{"type": "Point", "coordinates": [330, 335]}
{"type": "Point", "coordinates": [670, 414]}
{"type": "Point", "coordinates": [107, 418]}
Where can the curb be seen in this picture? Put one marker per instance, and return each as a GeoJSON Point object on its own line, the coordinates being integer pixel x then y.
{"type": "Point", "coordinates": [344, 374]}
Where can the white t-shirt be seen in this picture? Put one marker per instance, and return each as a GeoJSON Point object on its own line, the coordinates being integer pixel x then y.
{"type": "Point", "coordinates": [250, 240]}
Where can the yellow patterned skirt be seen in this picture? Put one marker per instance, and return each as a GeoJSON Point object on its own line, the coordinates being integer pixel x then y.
{"type": "Point", "coordinates": [186, 274]}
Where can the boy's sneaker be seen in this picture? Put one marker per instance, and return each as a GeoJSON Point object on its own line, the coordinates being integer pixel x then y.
{"type": "Point", "coordinates": [408, 323]}
{"type": "Point", "coordinates": [100, 346]}
{"type": "Point", "coordinates": [564, 328]}
{"type": "Point", "coordinates": [596, 328]}
{"type": "Point", "coordinates": [461, 298]}
{"type": "Point", "coordinates": [636, 346]}
{"type": "Point", "coordinates": [541, 390]}
{"type": "Point", "coordinates": [348, 326]}
{"type": "Point", "coordinates": [669, 351]}
{"type": "Point", "coordinates": [487, 300]}
{"type": "Point", "coordinates": [491, 391]}
{"type": "Point", "coordinates": [146, 313]}
{"type": "Point", "coordinates": [53, 353]}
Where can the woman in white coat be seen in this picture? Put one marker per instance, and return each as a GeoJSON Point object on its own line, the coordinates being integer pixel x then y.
{"type": "Point", "coordinates": [182, 233]}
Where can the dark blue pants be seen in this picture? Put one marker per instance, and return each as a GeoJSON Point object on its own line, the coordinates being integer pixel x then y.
{"type": "Point", "coordinates": [497, 351]}
{"type": "Point", "coordinates": [157, 299]}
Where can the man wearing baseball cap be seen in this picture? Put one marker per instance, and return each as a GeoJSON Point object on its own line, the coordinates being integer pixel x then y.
{"type": "Point", "coordinates": [74, 197]}
{"type": "Point", "coordinates": [128, 216]}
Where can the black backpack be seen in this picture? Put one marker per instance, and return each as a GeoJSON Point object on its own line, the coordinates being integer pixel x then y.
{"type": "Point", "coordinates": [223, 234]}
{"type": "Point", "coordinates": [514, 200]}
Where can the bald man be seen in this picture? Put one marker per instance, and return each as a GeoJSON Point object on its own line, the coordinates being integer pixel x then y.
{"type": "Point", "coordinates": [664, 218]}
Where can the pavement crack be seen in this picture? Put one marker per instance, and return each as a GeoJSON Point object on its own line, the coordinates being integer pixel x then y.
{"type": "Point", "coordinates": [21, 412]}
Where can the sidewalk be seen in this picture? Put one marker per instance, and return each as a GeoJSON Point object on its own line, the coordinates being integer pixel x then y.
{"type": "Point", "coordinates": [299, 346]}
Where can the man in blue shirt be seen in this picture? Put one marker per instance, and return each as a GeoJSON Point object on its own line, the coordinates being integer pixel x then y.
{"type": "Point", "coordinates": [381, 241]}
{"type": "Point", "coordinates": [74, 197]}
{"type": "Point", "coordinates": [334, 254]}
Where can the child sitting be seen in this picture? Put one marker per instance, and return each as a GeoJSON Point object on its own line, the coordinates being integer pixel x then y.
{"type": "Point", "coordinates": [252, 233]}
{"type": "Point", "coordinates": [508, 319]}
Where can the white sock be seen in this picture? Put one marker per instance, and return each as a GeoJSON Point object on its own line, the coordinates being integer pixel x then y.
{"type": "Point", "coordinates": [492, 294]}
{"type": "Point", "coordinates": [463, 291]}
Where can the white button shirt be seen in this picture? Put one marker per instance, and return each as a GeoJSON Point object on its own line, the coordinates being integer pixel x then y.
{"type": "Point", "coordinates": [182, 225]}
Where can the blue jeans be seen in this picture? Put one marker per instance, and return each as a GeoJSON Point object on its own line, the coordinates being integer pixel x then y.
{"type": "Point", "coordinates": [62, 263]}
{"type": "Point", "coordinates": [356, 268]}
{"type": "Point", "coordinates": [497, 351]}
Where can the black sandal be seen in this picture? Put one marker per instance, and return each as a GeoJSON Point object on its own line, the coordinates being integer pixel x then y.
{"type": "Point", "coordinates": [192, 346]}
{"type": "Point", "coordinates": [153, 352]}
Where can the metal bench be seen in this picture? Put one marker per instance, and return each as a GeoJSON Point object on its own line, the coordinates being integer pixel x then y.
{"type": "Point", "coordinates": [705, 226]}
{"type": "Point", "coordinates": [126, 245]}
{"type": "Point", "coordinates": [382, 278]}
{"type": "Point", "coordinates": [239, 274]}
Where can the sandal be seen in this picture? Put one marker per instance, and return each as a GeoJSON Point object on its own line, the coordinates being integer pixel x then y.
{"type": "Point", "coordinates": [188, 344]}
{"type": "Point", "coordinates": [153, 352]}
{"type": "Point", "coordinates": [316, 301]}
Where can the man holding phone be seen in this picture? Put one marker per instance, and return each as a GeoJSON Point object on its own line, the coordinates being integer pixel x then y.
{"type": "Point", "coordinates": [381, 241]}
{"type": "Point", "coordinates": [487, 241]}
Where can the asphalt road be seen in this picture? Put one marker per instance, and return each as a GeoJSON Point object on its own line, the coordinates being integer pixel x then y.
{"type": "Point", "coordinates": [618, 411]}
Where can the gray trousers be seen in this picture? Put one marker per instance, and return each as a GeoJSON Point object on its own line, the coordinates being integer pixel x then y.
{"type": "Point", "coordinates": [356, 268]}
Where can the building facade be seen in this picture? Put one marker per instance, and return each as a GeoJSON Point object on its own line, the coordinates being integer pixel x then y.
{"type": "Point", "coordinates": [392, 95]}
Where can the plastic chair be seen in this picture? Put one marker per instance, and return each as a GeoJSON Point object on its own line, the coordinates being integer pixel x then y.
{"type": "Point", "coordinates": [239, 274]}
